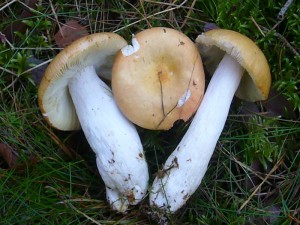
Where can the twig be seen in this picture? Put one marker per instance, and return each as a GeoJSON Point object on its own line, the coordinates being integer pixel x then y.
{"type": "Point", "coordinates": [68, 203]}
{"type": "Point", "coordinates": [263, 30]}
{"type": "Point", "coordinates": [264, 180]}
{"type": "Point", "coordinates": [283, 39]}
{"type": "Point", "coordinates": [7, 4]}
{"type": "Point", "coordinates": [10, 85]}
{"type": "Point", "coordinates": [258, 26]}
{"type": "Point", "coordinates": [245, 167]}
{"type": "Point", "coordinates": [56, 139]}
{"type": "Point", "coordinates": [150, 16]}
{"type": "Point", "coordinates": [80, 200]}
{"type": "Point", "coordinates": [8, 71]}
{"type": "Point", "coordinates": [138, 11]}
{"type": "Point", "coordinates": [144, 12]}
{"type": "Point", "coordinates": [37, 12]}
{"type": "Point", "coordinates": [294, 219]}
{"type": "Point", "coordinates": [56, 18]}
{"type": "Point", "coordinates": [280, 15]}
{"type": "Point", "coordinates": [37, 66]}
{"type": "Point", "coordinates": [169, 4]}
{"type": "Point", "coordinates": [66, 150]}
{"type": "Point", "coordinates": [188, 14]}
{"type": "Point", "coordinates": [17, 76]}
{"type": "Point", "coordinates": [82, 213]}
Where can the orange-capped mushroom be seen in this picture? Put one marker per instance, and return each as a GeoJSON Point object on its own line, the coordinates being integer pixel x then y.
{"type": "Point", "coordinates": [159, 79]}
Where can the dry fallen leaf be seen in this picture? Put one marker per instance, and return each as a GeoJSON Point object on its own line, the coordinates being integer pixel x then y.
{"type": "Point", "coordinates": [18, 25]}
{"type": "Point", "coordinates": [70, 32]}
{"type": "Point", "coordinates": [278, 105]}
{"type": "Point", "coordinates": [31, 161]}
{"type": "Point", "coordinates": [10, 159]}
{"type": "Point", "coordinates": [6, 152]}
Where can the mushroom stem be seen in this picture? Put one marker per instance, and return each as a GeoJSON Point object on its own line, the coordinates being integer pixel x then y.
{"type": "Point", "coordinates": [186, 166]}
{"type": "Point", "coordinates": [115, 141]}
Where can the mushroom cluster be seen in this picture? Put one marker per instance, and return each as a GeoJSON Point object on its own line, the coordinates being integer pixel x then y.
{"type": "Point", "coordinates": [160, 75]}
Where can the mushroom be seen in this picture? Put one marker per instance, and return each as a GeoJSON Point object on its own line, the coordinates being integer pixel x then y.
{"type": "Point", "coordinates": [159, 79]}
{"type": "Point", "coordinates": [72, 95]}
{"type": "Point", "coordinates": [242, 69]}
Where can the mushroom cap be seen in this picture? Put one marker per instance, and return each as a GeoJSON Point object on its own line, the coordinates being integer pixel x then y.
{"type": "Point", "coordinates": [159, 79]}
{"type": "Point", "coordinates": [54, 99]}
{"type": "Point", "coordinates": [256, 80]}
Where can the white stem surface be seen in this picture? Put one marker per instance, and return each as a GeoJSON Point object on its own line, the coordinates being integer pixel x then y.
{"type": "Point", "coordinates": [115, 141]}
{"type": "Point", "coordinates": [186, 166]}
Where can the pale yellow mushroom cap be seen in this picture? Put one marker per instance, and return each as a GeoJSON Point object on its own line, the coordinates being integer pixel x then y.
{"type": "Point", "coordinates": [256, 81]}
{"type": "Point", "coordinates": [54, 99]}
{"type": "Point", "coordinates": [159, 79]}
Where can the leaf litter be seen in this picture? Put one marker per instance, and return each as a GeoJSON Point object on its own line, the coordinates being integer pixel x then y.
{"type": "Point", "coordinates": [10, 159]}
{"type": "Point", "coordinates": [70, 32]}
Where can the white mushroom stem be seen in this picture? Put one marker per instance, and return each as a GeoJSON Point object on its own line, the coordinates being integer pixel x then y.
{"type": "Point", "coordinates": [186, 166]}
{"type": "Point", "coordinates": [115, 141]}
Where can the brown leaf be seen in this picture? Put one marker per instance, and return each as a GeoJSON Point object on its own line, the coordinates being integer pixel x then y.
{"type": "Point", "coordinates": [17, 25]}
{"type": "Point", "coordinates": [70, 32]}
{"type": "Point", "coordinates": [6, 152]}
{"type": "Point", "coordinates": [32, 161]}
{"type": "Point", "coordinates": [11, 159]}
{"type": "Point", "coordinates": [278, 105]}
{"type": "Point", "coordinates": [249, 108]}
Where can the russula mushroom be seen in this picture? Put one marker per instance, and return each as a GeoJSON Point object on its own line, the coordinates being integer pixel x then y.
{"type": "Point", "coordinates": [159, 79]}
{"type": "Point", "coordinates": [72, 95]}
{"type": "Point", "coordinates": [242, 69]}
